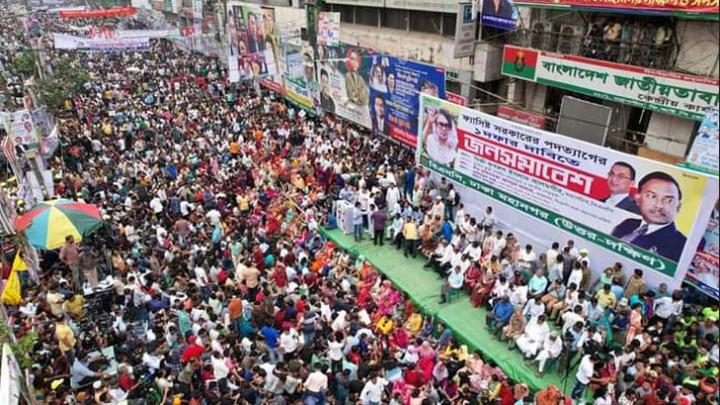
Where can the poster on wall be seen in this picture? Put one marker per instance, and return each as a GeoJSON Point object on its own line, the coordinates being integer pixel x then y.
{"type": "Point", "coordinates": [23, 132]}
{"type": "Point", "coordinates": [299, 74]}
{"type": "Point", "coordinates": [252, 42]}
{"type": "Point", "coordinates": [647, 212]}
{"type": "Point", "coordinates": [500, 14]}
{"type": "Point", "coordinates": [328, 32]}
{"type": "Point", "coordinates": [704, 269]}
{"type": "Point", "coordinates": [343, 76]}
{"type": "Point", "coordinates": [395, 89]}
{"type": "Point", "coordinates": [704, 152]}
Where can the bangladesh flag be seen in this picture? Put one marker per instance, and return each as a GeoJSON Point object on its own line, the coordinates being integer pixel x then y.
{"type": "Point", "coordinates": [519, 62]}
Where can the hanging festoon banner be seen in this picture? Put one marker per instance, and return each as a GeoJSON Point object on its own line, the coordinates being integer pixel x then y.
{"type": "Point", "coordinates": [98, 13]}
{"type": "Point", "coordinates": [704, 270]}
{"type": "Point", "coordinates": [395, 89]}
{"type": "Point", "coordinates": [10, 378]}
{"type": "Point", "coordinates": [703, 154]}
{"type": "Point", "coordinates": [500, 14]}
{"type": "Point", "coordinates": [71, 42]}
{"type": "Point", "coordinates": [328, 32]}
{"type": "Point", "coordinates": [252, 42]}
{"type": "Point", "coordinates": [625, 208]}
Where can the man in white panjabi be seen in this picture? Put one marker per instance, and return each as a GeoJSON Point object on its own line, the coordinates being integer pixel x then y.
{"type": "Point", "coordinates": [532, 339]}
{"type": "Point", "coordinates": [440, 136]}
{"type": "Point", "coordinates": [551, 349]}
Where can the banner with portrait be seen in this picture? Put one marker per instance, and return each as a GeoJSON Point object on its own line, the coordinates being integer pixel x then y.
{"type": "Point", "coordinates": [628, 208]}
{"type": "Point", "coordinates": [252, 42]}
{"type": "Point", "coordinates": [704, 271]}
{"type": "Point", "coordinates": [704, 154]}
{"type": "Point", "coordinates": [395, 88]}
{"type": "Point", "coordinates": [299, 74]}
{"type": "Point", "coordinates": [343, 77]}
{"type": "Point", "coordinates": [500, 14]}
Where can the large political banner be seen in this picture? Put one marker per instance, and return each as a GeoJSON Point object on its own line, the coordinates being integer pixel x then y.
{"type": "Point", "coordinates": [343, 76]}
{"type": "Point", "coordinates": [647, 212]}
{"type": "Point", "coordinates": [299, 74]}
{"type": "Point", "coordinates": [704, 271]}
{"type": "Point", "coordinates": [252, 49]}
{"type": "Point", "coordinates": [395, 88]}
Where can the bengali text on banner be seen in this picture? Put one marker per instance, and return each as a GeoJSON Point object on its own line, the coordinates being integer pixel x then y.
{"type": "Point", "coordinates": [648, 212]}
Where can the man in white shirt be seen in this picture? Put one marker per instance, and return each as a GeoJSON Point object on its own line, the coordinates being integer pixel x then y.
{"type": "Point", "coordinates": [488, 218]}
{"type": "Point", "coordinates": [499, 244]}
{"type": "Point", "coordinates": [550, 349]}
{"type": "Point", "coordinates": [372, 392]}
{"type": "Point", "coordinates": [583, 375]}
{"type": "Point", "coordinates": [552, 255]}
{"type": "Point", "coordinates": [454, 283]}
{"type": "Point", "coordinates": [316, 384]}
{"type": "Point", "coordinates": [527, 257]}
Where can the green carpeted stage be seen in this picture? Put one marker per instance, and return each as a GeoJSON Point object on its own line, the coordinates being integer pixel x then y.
{"type": "Point", "coordinates": [467, 323]}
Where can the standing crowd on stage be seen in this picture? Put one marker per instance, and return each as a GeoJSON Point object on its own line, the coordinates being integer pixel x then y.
{"type": "Point", "coordinates": [212, 280]}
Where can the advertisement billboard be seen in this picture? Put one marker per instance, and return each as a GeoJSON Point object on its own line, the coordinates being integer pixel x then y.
{"type": "Point", "coordinates": [685, 96]}
{"type": "Point", "coordinates": [328, 32]}
{"type": "Point", "coordinates": [395, 89]}
{"type": "Point", "coordinates": [500, 14]}
{"type": "Point", "coordinates": [633, 209]}
{"type": "Point", "coordinates": [252, 45]}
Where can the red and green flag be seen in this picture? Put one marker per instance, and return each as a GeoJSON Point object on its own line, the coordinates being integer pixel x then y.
{"type": "Point", "coordinates": [519, 62]}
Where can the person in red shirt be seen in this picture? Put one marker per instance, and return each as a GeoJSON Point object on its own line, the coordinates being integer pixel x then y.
{"type": "Point", "coordinates": [125, 380]}
{"type": "Point", "coordinates": [193, 350]}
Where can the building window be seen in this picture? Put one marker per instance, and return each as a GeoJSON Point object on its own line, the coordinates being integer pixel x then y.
{"type": "Point", "coordinates": [346, 12]}
{"type": "Point", "coordinates": [391, 18]}
{"type": "Point", "coordinates": [424, 21]}
{"type": "Point", "coordinates": [366, 16]}
{"type": "Point", "coordinates": [449, 21]}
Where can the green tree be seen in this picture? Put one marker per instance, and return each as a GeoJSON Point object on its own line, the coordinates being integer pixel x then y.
{"type": "Point", "coordinates": [22, 348]}
{"type": "Point", "coordinates": [68, 79]}
{"type": "Point", "coordinates": [24, 63]}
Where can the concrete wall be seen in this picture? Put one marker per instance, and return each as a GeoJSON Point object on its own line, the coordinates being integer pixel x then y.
{"type": "Point", "coordinates": [669, 134]}
{"type": "Point", "coordinates": [421, 47]}
{"type": "Point", "coordinates": [699, 47]}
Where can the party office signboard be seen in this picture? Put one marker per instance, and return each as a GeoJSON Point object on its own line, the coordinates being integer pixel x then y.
{"type": "Point", "coordinates": [682, 95]}
{"type": "Point", "coordinates": [648, 212]}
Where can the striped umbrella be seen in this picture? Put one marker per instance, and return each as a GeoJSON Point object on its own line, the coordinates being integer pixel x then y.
{"type": "Point", "coordinates": [48, 223]}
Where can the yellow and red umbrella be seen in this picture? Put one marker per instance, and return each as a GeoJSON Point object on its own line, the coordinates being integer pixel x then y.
{"type": "Point", "coordinates": [47, 224]}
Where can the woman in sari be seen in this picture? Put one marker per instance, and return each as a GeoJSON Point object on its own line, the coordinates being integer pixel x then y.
{"type": "Point", "coordinates": [483, 289]}
{"type": "Point", "coordinates": [473, 276]}
{"type": "Point", "coordinates": [414, 323]}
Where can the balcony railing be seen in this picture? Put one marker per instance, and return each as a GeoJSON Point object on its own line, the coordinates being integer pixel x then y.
{"type": "Point", "coordinates": [651, 47]}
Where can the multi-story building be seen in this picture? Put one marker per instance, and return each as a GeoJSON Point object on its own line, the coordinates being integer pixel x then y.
{"type": "Point", "coordinates": [656, 48]}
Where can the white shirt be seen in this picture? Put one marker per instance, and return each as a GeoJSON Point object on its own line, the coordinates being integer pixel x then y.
{"type": "Point", "coordinates": [220, 369]}
{"type": "Point", "coordinates": [665, 307]}
{"type": "Point", "coordinates": [316, 382]}
{"type": "Point", "coordinates": [156, 205]}
{"type": "Point", "coordinates": [373, 392]}
{"type": "Point", "coordinates": [585, 371]}
{"type": "Point", "coordinates": [289, 341]}
{"type": "Point", "coordinates": [335, 351]}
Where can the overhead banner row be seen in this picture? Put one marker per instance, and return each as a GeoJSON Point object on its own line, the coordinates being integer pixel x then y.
{"type": "Point", "coordinates": [377, 91]}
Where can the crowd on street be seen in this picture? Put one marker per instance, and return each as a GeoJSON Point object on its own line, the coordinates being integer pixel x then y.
{"type": "Point", "coordinates": [219, 286]}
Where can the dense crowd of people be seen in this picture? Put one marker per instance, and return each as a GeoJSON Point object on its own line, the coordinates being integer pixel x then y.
{"type": "Point", "coordinates": [218, 286]}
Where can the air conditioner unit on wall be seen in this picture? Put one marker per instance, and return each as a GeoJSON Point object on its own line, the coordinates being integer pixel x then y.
{"type": "Point", "coordinates": [541, 35]}
{"type": "Point", "coordinates": [570, 39]}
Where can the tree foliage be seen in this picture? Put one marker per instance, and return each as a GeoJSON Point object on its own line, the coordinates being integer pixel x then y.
{"type": "Point", "coordinates": [24, 63]}
{"type": "Point", "coordinates": [68, 79]}
{"type": "Point", "coordinates": [22, 348]}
